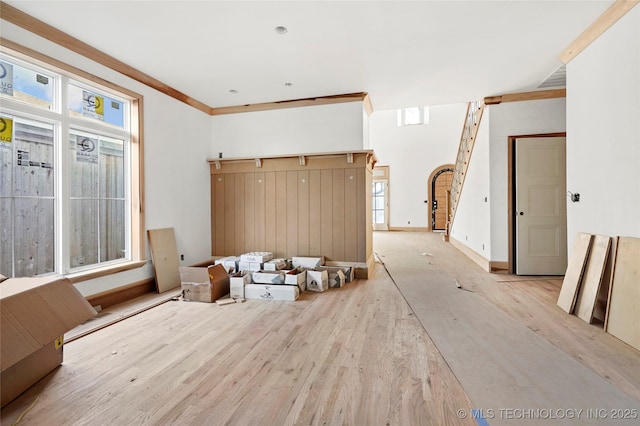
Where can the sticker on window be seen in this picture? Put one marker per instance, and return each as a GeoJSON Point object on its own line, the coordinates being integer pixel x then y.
{"type": "Point", "coordinates": [92, 105]}
{"type": "Point", "coordinates": [86, 150]}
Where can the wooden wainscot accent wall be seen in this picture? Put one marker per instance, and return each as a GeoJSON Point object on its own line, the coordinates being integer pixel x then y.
{"type": "Point", "coordinates": [295, 205]}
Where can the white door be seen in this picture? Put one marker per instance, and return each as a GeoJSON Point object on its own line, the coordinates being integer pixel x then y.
{"type": "Point", "coordinates": [380, 204]}
{"type": "Point", "coordinates": [541, 209]}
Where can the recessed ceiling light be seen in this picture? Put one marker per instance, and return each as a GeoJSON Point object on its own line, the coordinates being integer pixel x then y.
{"type": "Point", "coordinates": [288, 84]}
{"type": "Point", "coordinates": [234, 91]}
{"type": "Point", "coordinates": [281, 30]}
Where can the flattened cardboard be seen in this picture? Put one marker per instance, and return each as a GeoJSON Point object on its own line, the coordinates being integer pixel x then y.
{"type": "Point", "coordinates": [164, 254]}
{"type": "Point", "coordinates": [59, 307]}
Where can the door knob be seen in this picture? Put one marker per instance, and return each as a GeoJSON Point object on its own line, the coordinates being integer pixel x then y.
{"type": "Point", "coordinates": [521, 213]}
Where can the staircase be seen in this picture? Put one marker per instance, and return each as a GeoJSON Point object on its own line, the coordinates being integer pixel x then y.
{"type": "Point", "coordinates": [467, 140]}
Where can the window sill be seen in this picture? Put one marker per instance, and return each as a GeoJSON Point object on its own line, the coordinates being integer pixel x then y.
{"type": "Point", "coordinates": [102, 272]}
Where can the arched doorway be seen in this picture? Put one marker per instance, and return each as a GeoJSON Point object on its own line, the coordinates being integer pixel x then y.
{"type": "Point", "coordinates": [438, 185]}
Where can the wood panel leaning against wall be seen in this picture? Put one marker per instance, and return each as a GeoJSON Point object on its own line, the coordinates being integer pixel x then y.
{"type": "Point", "coordinates": [295, 205]}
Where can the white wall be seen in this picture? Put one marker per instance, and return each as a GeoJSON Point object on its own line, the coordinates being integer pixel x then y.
{"type": "Point", "coordinates": [322, 128]}
{"type": "Point", "coordinates": [513, 119]}
{"type": "Point", "coordinates": [603, 133]}
{"type": "Point", "coordinates": [177, 142]}
{"type": "Point", "coordinates": [412, 153]}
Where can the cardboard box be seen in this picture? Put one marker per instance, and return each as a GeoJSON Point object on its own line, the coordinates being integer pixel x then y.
{"type": "Point", "coordinates": [337, 275]}
{"type": "Point", "coordinates": [204, 284]}
{"type": "Point", "coordinates": [249, 266]}
{"type": "Point", "coordinates": [275, 265]}
{"type": "Point", "coordinates": [347, 270]}
{"type": "Point", "coordinates": [237, 282]}
{"type": "Point", "coordinates": [336, 279]}
{"type": "Point", "coordinates": [35, 313]}
{"type": "Point", "coordinates": [296, 277]}
{"type": "Point", "coordinates": [317, 280]}
{"type": "Point", "coordinates": [307, 262]}
{"type": "Point", "coordinates": [268, 277]}
{"type": "Point", "coordinates": [230, 263]}
{"type": "Point", "coordinates": [256, 256]}
{"type": "Point", "coordinates": [271, 292]}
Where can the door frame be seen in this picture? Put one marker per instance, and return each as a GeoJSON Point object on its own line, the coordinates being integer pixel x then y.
{"type": "Point", "coordinates": [511, 191]}
{"type": "Point", "coordinates": [429, 200]}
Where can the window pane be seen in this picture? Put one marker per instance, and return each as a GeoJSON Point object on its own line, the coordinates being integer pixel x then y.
{"type": "Point", "coordinates": [379, 216]}
{"type": "Point", "coordinates": [412, 116]}
{"type": "Point", "coordinates": [379, 203]}
{"type": "Point", "coordinates": [91, 105]}
{"type": "Point", "coordinates": [83, 235]}
{"type": "Point", "coordinates": [378, 189]}
{"type": "Point", "coordinates": [83, 165]}
{"type": "Point", "coordinates": [26, 85]}
{"type": "Point", "coordinates": [33, 234]}
{"type": "Point", "coordinates": [112, 230]}
{"type": "Point", "coordinates": [26, 197]}
{"type": "Point", "coordinates": [97, 182]}
{"type": "Point", "coordinates": [6, 236]}
{"type": "Point", "coordinates": [6, 157]}
{"type": "Point", "coordinates": [111, 168]}
{"type": "Point", "coordinates": [34, 155]}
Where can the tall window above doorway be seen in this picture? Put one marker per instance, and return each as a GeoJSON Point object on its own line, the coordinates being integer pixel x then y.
{"type": "Point", "coordinates": [413, 116]}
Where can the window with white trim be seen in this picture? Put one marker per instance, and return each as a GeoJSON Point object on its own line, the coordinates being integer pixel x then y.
{"type": "Point", "coordinates": [67, 150]}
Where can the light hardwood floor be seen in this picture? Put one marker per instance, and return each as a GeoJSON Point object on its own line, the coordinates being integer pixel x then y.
{"type": "Point", "coordinates": [358, 355]}
{"type": "Point", "coordinates": [355, 355]}
{"type": "Point", "coordinates": [508, 343]}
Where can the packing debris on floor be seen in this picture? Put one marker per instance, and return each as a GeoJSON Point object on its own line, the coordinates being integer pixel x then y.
{"type": "Point", "coordinates": [257, 275]}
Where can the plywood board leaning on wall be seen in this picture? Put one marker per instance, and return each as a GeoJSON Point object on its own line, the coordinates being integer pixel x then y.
{"type": "Point", "coordinates": [602, 300]}
{"type": "Point", "coordinates": [164, 253]}
{"type": "Point", "coordinates": [592, 279]}
{"type": "Point", "coordinates": [575, 270]}
{"type": "Point", "coordinates": [623, 312]}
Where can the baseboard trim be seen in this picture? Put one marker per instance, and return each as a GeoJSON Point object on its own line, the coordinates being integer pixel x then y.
{"type": "Point", "coordinates": [123, 294]}
{"type": "Point", "coordinates": [409, 228]}
{"type": "Point", "coordinates": [471, 254]}
{"type": "Point", "coordinates": [498, 267]}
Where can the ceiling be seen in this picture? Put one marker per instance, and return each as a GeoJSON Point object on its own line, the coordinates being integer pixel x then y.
{"type": "Point", "coordinates": [403, 53]}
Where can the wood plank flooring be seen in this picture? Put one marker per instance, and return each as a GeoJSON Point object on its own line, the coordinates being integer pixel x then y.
{"type": "Point", "coordinates": [360, 355]}
{"type": "Point", "coordinates": [505, 339]}
{"type": "Point", "coordinates": [355, 355]}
